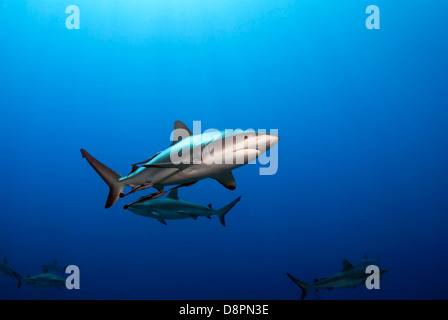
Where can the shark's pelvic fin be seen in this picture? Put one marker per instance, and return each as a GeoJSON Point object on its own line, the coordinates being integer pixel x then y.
{"type": "Point", "coordinates": [223, 211]}
{"type": "Point", "coordinates": [346, 266]}
{"type": "Point", "coordinates": [303, 285]}
{"type": "Point", "coordinates": [226, 179]}
{"type": "Point", "coordinates": [109, 176]}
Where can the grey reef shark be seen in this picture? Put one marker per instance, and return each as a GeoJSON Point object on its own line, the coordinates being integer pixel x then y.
{"type": "Point", "coordinates": [171, 207]}
{"type": "Point", "coordinates": [46, 279]}
{"type": "Point", "coordinates": [351, 276]}
{"type": "Point", "coordinates": [6, 270]}
{"type": "Point", "coordinates": [208, 155]}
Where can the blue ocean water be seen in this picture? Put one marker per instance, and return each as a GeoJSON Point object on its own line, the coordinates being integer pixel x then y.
{"type": "Point", "coordinates": [362, 119]}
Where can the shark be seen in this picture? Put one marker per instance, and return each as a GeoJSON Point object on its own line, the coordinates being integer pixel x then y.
{"type": "Point", "coordinates": [53, 266]}
{"type": "Point", "coordinates": [46, 279]}
{"type": "Point", "coordinates": [351, 276]}
{"type": "Point", "coordinates": [208, 155]}
{"type": "Point", "coordinates": [8, 271]}
{"type": "Point", "coordinates": [171, 207]}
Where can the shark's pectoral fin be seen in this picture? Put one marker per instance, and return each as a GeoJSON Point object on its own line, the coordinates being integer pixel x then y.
{"type": "Point", "coordinates": [159, 218]}
{"type": "Point", "coordinates": [226, 179]}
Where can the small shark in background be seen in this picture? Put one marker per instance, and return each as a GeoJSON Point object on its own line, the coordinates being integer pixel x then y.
{"type": "Point", "coordinates": [171, 207]}
{"type": "Point", "coordinates": [8, 271]}
{"type": "Point", "coordinates": [351, 276]}
{"type": "Point", "coordinates": [159, 171]}
{"type": "Point", "coordinates": [46, 279]}
{"type": "Point", "coordinates": [53, 267]}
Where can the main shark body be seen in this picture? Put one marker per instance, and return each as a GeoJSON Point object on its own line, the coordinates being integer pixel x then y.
{"type": "Point", "coordinates": [207, 155]}
{"type": "Point", "coordinates": [351, 276]}
{"type": "Point", "coordinates": [46, 280]}
{"type": "Point", "coordinates": [171, 207]}
{"type": "Point", "coordinates": [6, 270]}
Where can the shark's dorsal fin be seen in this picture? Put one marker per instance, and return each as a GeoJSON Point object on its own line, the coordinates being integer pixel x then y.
{"type": "Point", "coordinates": [210, 206]}
{"type": "Point", "coordinates": [45, 270]}
{"type": "Point", "coordinates": [55, 261]}
{"type": "Point", "coordinates": [179, 131]}
{"type": "Point", "coordinates": [5, 261]}
{"type": "Point", "coordinates": [173, 195]}
{"type": "Point", "coordinates": [346, 266]}
{"type": "Point", "coordinates": [365, 256]}
{"type": "Point", "coordinates": [226, 179]}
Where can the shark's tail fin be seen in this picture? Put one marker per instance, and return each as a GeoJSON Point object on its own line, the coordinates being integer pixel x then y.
{"type": "Point", "coordinates": [109, 176]}
{"type": "Point", "coordinates": [223, 211]}
{"type": "Point", "coordinates": [18, 277]}
{"type": "Point", "coordinates": [303, 285]}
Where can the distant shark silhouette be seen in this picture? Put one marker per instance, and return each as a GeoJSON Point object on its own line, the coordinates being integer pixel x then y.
{"type": "Point", "coordinates": [46, 279]}
{"type": "Point", "coordinates": [53, 267]}
{"type": "Point", "coordinates": [351, 276]}
{"type": "Point", "coordinates": [160, 171]}
{"type": "Point", "coordinates": [171, 207]}
{"type": "Point", "coordinates": [8, 271]}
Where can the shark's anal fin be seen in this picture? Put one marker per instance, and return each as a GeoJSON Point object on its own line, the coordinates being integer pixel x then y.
{"type": "Point", "coordinates": [346, 266]}
{"type": "Point", "coordinates": [226, 179]}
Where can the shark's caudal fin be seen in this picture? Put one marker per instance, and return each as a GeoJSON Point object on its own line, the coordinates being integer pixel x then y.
{"type": "Point", "coordinates": [109, 176]}
{"type": "Point", "coordinates": [223, 211]}
{"type": "Point", "coordinates": [18, 277]}
{"type": "Point", "coordinates": [303, 285]}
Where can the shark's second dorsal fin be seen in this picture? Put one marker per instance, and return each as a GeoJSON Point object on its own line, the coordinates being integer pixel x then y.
{"type": "Point", "coordinates": [179, 131]}
{"type": "Point", "coordinates": [346, 266]}
{"type": "Point", "coordinates": [173, 195]}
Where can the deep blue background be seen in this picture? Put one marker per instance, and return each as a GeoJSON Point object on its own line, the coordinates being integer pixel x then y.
{"type": "Point", "coordinates": [363, 124]}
